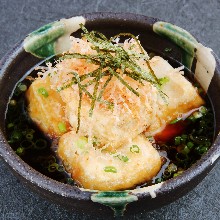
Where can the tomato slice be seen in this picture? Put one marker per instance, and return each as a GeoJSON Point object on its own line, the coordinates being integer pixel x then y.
{"type": "Point", "coordinates": [170, 131]}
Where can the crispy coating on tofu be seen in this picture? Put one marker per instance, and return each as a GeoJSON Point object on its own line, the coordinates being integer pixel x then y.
{"type": "Point", "coordinates": [114, 125]}
{"type": "Point", "coordinates": [46, 108]}
{"type": "Point", "coordinates": [132, 115]}
{"type": "Point", "coordinates": [128, 118]}
{"type": "Point", "coordinates": [133, 163]}
{"type": "Point", "coordinates": [181, 96]}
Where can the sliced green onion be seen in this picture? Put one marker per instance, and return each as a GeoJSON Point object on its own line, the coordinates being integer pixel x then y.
{"type": "Point", "coordinates": [70, 181]}
{"type": "Point", "coordinates": [110, 169]}
{"type": "Point", "coordinates": [163, 80]}
{"type": "Point", "coordinates": [158, 180]}
{"type": "Point", "coordinates": [184, 137]}
{"type": "Point", "coordinates": [12, 102]}
{"type": "Point", "coordinates": [60, 168]}
{"type": "Point", "coordinates": [201, 150]}
{"type": "Point", "coordinates": [190, 145]}
{"type": "Point", "coordinates": [167, 174]}
{"type": "Point", "coordinates": [134, 149]}
{"type": "Point", "coordinates": [22, 87]}
{"type": "Point", "coordinates": [40, 144]}
{"type": "Point", "coordinates": [172, 168]}
{"type": "Point", "coordinates": [191, 118]}
{"type": "Point", "coordinates": [26, 144]}
{"type": "Point", "coordinates": [197, 115]}
{"type": "Point", "coordinates": [177, 140]}
{"type": "Point", "coordinates": [16, 135]}
{"type": "Point", "coordinates": [29, 136]}
{"type": "Point", "coordinates": [203, 110]}
{"type": "Point", "coordinates": [168, 49]}
{"type": "Point", "coordinates": [81, 142]}
{"type": "Point", "coordinates": [62, 127]}
{"type": "Point", "coordinates": [20, 151]}
{"type": "Point", "coordinates": [185, 150]}
{"type": "Point", "coordinates": [42, 91]}
{"type": "Point", "coordinates": [178, 173]}
{"type": "Point", "coordinates": [175, 121]}
{"type": "Point", "coordinates": [10, 125]}
{"type": "Point", "coordinates": [53, 167]}
{"type": "Point", "coordinates": [122, 158]}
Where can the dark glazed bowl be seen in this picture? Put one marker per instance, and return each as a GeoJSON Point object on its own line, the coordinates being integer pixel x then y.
{"type": "Point", "coordinates": [155, 36]}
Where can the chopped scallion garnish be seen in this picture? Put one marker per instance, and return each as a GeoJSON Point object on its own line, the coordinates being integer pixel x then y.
{"type": "Point", "coordinates": [110, 169]}
{"type": "Point", "coordinates": [172, 168]}
{"type": "Point", "coordinates": [175, 121]}
{"type": "Point", "coordinates": [163, 80]}
{"type": "Point", "coordinates": [134, 149]}
{"type": "Point", "coordinates": [12, 102]}
{"type": "Point", "coordinates": [62, 127]}
{"type": "Point", "coordinates": [29, 136]}
{"type": "Point", "coordinates": [70, 181]}
{"type": "Point", "coordinates": [60, 168]}
{"type": "Point", "coordinates": [178, 173]}
{"type": "Point", "coordinates": [122, 158]}
{"type": "Point", "coordinates": [40, 144]}
{"type": "Point", "coordinates": [168, 49]}
{"type": "Point", "coordinates": [53, 167]}
{"type": "Point", "coordinates": [81, 142]}
{"type": "Point", "coordinates": [10, 125]}
{"type": "Point", "coordinates": [185, 150]}
{"type": "Point", "coordinates": [22, 87]}
{"type": "Point", "coordinates": [42, 91]}
{"type": "Point", "coordinates": [190, 145]}
{"type": "Point", "coordinates": [203, 110]}
{"type": "Point", "coordinates": [16, 135]}
{"type": "Point", "coordinates": [20, 151]}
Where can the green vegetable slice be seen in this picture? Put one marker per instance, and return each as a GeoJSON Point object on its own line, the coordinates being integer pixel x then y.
{"type": "Point", "coordinates": [42, 91]}
{"type": "Point", "coordinates": [134, 149]}
{"type": "Point", "coordinates": [110, 169]}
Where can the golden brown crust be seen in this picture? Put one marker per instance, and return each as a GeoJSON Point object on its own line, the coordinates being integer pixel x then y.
{"type": "Point", "coordinates": [87, 164]}
{"type": "Point", "coordinates": [46, 112]}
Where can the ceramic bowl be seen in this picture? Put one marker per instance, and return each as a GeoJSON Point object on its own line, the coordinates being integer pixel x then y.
{"type": "Point", "coordinates": [155, 36]}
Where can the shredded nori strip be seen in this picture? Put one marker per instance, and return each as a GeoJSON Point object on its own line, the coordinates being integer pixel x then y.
{"type": "Point", "coordinates": [112, 60]}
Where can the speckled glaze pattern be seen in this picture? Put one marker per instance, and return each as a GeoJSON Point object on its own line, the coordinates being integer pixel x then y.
{"type": "Point", "coordinates": [18, 61]}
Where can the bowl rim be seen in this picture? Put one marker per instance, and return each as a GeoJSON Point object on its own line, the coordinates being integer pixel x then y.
{"type": "Point", "coordinates": [48, 184]}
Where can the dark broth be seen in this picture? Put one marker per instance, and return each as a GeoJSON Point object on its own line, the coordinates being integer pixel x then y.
{"type": "Point", "coordinates": [181, 144]}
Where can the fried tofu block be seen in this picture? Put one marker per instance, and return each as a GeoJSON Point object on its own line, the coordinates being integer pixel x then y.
{"type": "Point", "coordinates": [133, 163]}
{"type": "Point", "coordinates": [129, 116]}
{"type": "Point", "coordinates": [181, 96]}
{"type": "Point", "coordinates": [46, 108]}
